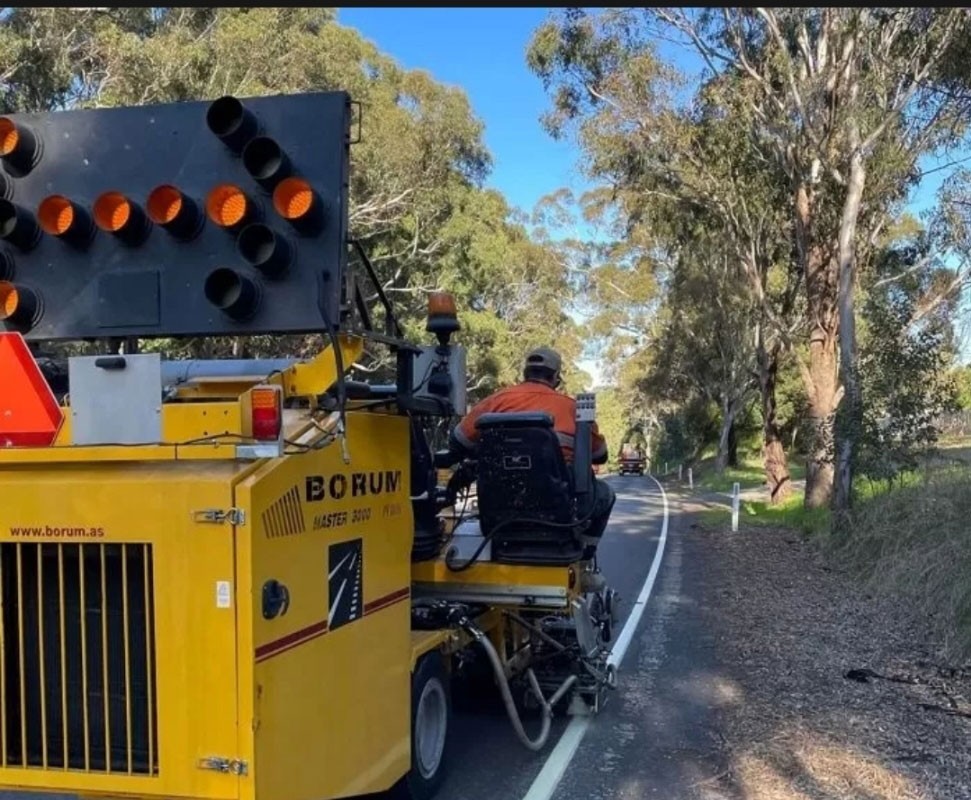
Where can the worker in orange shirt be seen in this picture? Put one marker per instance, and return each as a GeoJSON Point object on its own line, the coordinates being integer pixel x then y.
{"type": "Point", "coordinates": [537, 392]}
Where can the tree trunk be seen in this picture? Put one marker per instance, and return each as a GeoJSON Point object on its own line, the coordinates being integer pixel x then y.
{"type": "Point", "coordinates": [729, 412]}
{"type": "Point", "coordinates": [776, 464]}
{"type": "Point", "coordinates": [821, 377]}
{"type": "Point", "coordinates": [733, 445]}
{"type": "Point", "coordinates": [848, 433]}
{"type": "Point", "coordinates": [823, 400]}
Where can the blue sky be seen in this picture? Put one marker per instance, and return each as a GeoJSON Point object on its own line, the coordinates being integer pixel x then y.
{"type": "Point", "coordinates": [483, 51]}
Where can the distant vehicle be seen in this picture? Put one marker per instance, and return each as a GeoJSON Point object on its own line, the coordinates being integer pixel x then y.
{"type": "Point", "coordinates": [632, 461]}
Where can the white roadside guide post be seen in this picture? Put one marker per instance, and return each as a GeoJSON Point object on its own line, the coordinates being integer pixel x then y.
{"type": "Point", "coordinates": [665, 467]}
{"type": "Point", "coordinates": [735, 499]}
{"type": "Point", "coordinates": [691, 481]}
{"type": "Point", "coordinates": [680, 469]}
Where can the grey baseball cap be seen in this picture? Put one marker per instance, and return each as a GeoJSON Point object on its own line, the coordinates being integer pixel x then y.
{"type": "Point", "coordinates": [544, 357]}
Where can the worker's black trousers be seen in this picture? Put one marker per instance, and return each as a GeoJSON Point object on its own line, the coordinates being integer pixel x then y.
{"type": "Point", "coordinates": [603, 503]}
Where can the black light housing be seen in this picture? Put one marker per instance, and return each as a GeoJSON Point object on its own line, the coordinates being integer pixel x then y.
{"type": "Point", "coordinates": [7, 266]}
{"type": "Point", "coordinates": [18, 226]}
{"type": "Point", "coordinates": [232, 122]}
{"type": "Point", "coordinates": [232, 293]}
{"type": "Point", "coordinates": [265, 249]}
{"type": "Point", "coordinates": [266, 162]}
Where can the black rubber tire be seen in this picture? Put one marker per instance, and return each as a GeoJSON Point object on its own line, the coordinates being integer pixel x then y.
{"type": "Point", "coordinates": [429, 675]}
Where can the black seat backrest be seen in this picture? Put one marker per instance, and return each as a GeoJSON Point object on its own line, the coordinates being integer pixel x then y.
{"type": "Point", "coordinates": [522, 476]}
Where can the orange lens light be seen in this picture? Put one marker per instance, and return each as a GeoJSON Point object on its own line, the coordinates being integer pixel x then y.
{"type": "Point", "coordinates": [226, 205]}
{"type": "Point", "coordinates": [55, 215]}
{"type": "Point", "coordinates": [112, 210]}
{"type": "Point", "coordinates": [9, 136]}
{"type": "Point", "coordinates": [264, 398]}
{"type": "Point", "coordinates": [164, 204]}
{"type": "Point", "coordinates": [9, 300]}
{"type": "Point", "coordinates": [265, 415]}
{"type": "Point", "coordinates": [441, 304]}
{"type": "Point", "coordinates": [19, 147]}
{"type": "Point", "coordinates": [293, 198]}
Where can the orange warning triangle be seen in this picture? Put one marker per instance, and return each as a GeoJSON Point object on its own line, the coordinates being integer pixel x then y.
{"type": "Point", "coordinates": [29, 413]}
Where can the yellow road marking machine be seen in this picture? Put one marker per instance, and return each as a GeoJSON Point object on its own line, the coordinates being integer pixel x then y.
{"type": "Point", "coordinates": [242, 578]}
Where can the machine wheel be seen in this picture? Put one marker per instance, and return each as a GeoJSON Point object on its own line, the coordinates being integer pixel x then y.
{"type": "Point", "coordinates": [431, 716]}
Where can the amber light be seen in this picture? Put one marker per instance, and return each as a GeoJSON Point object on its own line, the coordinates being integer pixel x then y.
{"type": "Point", "coordinates": [441, 304]}
{"type": "Point", "coordinates": [442, 317]}
{"type": "Point", "coordinates": [175, 212]}
{"type": "Point", "coordinates": [293, 198]}
{"type": "Point", "coordinates": [18, 305]}
{"type": "Point", "coordinates": [112, 210]}
{"type": "Point", "coordinates": [9, 136]}
{"type": "Point", "coordinates": [9, 300]}
{"type": "Point", "coordinates": [164, 204]}
{"type": "Point", "coordinates": [19, 148]}
{"type": "Point", "coordinates": [55, 215]}
{"type": "Point", "coordinates": [227, 205]}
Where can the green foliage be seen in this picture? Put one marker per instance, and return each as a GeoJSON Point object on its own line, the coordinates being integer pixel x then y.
{"type": "Point", "coordinates": [612, 418]}
{"type": "Point", "coordinates": [790, 513]}
{"type": "Point", "coordinates": [687, 430]}
{"type": "Point", "coordinates": [962, 383]}
{"type": "Point", "coordinates": [903, 363]}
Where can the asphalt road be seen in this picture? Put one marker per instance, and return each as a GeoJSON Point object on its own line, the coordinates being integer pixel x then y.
{"type": "Point", "coordinates": [635, 748]}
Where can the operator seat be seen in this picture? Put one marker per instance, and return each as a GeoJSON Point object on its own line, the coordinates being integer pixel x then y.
{"type": "Point", "coordinates": [522, 482]}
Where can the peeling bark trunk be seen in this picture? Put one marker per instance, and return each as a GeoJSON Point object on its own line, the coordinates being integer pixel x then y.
{"type": "Point", "coordinates": [823, 400]}
{"type": "Point", "coordinates": [821, 375]}
{"type": "Point", "coordinates": [774, 459]}
{"type": "Point", "coordinates": [848, 433]}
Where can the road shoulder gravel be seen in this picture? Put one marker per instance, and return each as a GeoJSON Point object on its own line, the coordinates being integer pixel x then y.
{"type": "Point", "coordinates": [825, 692]}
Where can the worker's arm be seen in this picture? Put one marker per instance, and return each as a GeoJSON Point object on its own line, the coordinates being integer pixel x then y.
{"type": "Point", "coordinates": [464, 438]}
{"type": "Point", "coordinates": [598, 445]}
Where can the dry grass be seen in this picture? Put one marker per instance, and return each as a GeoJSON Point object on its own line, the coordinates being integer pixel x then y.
{"type": "Point", "coordinates": [792, 622]}
{"type": "Point", "coordinates": [914, 542]}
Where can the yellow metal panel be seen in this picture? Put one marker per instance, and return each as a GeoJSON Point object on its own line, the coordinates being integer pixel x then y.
{"type": "Point", "coordinates": [324, 698]}
{"type": "Point", "coordinates": [181, 422]}
{"type": "Point", "coordinates": [142, 505]}
{"type": "Point", "coordinates": [493, 574]}
{"type": "Point", "coordinates": [316, 376]}
{"type": "Point", "coordinates": [83, 456]}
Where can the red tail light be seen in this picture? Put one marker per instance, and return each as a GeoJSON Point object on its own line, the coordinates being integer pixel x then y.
{"type": "Point", "coordinates": [267, 413]}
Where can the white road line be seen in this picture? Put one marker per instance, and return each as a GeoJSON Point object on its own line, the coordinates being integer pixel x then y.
{"type": "Point", "coordinates": [560, 756]}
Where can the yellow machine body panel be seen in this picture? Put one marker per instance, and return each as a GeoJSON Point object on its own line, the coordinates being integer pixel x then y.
{"type": "Point", "coordinates": [128, 544]}
{"type": "Point", "coordinates": [325, 637]}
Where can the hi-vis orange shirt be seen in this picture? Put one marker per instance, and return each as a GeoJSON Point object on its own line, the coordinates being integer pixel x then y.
{"type": "Point", "coordinates": [531, 396]}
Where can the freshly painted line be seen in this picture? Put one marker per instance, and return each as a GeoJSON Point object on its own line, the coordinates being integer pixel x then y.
{"type": "Point", "coordinates": [560, 756]}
